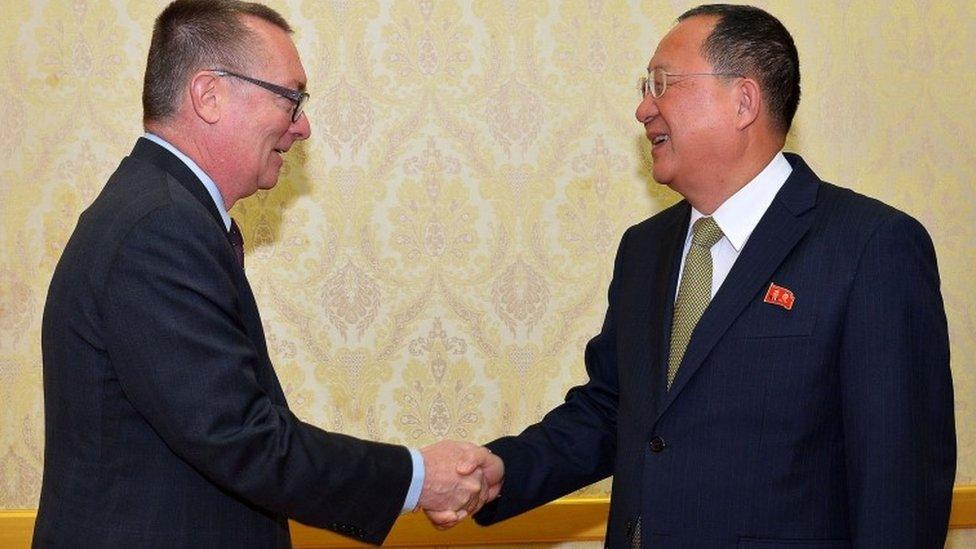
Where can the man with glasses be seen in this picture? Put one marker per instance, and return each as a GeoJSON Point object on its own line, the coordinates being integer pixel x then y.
{"type": "Point", "coordinates": [166, 425]}
{"type": "Point", "coordinates": [773, 369]}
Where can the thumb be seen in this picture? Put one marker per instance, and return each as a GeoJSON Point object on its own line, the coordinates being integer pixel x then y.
{"type": "Point", "coordinates": [471, 460]}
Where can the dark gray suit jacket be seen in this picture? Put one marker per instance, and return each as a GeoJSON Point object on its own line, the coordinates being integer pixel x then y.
{"type": "Point", "coordinates": [166, 425]}
{"type": "Point", "coordinates": [826, 425]}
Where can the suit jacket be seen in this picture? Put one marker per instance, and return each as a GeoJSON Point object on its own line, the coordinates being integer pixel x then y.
{"type": "Point", "coordinates": [826, 425]}
{"type": "Point", "coordinates": [166, 425]}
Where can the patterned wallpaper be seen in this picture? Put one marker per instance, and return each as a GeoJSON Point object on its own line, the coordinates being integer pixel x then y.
{"type": "Point", "coordinates": [436, 256]}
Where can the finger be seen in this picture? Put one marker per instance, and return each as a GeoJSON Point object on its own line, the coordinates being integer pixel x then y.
{"type": "Point", "coordinates": [471, 491]}
{"type": "Point", "coordinates": [469, 506]}
{"type": "Point", "coordinates": [494, 491]}
{"type": "Point", "coordinates": [441, 517]}
{"type": "Point", "coordinates": [482, 495]}
{"type": "Point", "coordinates": [493, 469]}
{"type": "Point", "coordinates": [474, 504]}
{"type": "Point", "coordinates": [483, 486]}
{"type": "Point", "coordinates": [442, 520]}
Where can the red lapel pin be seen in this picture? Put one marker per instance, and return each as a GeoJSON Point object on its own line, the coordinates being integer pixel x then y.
{"type": "Point", "coordinates": [778, 295]}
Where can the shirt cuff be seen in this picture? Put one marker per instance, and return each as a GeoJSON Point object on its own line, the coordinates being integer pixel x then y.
{"type": "Point", "coordinates": [417, 483]}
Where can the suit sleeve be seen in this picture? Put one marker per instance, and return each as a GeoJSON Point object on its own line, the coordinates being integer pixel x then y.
{"type": "Point", "coordinates": [177, 339]}
{"type": "Point", "coordinates": [575, 444]}
{"type": "Point", "coordinates": [899, 429]}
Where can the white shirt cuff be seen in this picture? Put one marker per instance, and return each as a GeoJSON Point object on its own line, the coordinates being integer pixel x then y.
{"type": "Point", "coordinates": [413, 493]}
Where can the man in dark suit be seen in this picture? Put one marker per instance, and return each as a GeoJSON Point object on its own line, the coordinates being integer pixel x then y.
{"type": "Point", "coordinates": [773, 369]}
{"type": "Point", "coordinates": [166, 425]}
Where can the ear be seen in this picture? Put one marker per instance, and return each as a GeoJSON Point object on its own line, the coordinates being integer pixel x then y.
{"type": "Point", "coordinates": [748, 97]}
{"type": "Point", "coordinates": [207, 96]}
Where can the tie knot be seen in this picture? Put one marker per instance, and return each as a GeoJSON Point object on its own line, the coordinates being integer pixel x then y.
{"type": "Point", "coordinates": [705, 232]}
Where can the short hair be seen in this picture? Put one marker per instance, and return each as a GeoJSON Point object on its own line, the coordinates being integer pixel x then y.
{"type": "Point", "coordinates": [749, 41]}
{"type": "Point", "coordinates": [191, 35]}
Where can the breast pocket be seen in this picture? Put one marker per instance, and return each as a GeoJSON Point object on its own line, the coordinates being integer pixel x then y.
{"type": "Point", "coordinates": [763, 320]}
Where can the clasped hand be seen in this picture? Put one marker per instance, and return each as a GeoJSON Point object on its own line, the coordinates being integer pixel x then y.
{"type": "Point", "coordinates": [460, 478]}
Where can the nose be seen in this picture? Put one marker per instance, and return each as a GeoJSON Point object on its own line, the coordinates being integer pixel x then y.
{"type": "Point", "coordinates": [301, 128]}
{"type": "Point", "coordinates": [646, 109]}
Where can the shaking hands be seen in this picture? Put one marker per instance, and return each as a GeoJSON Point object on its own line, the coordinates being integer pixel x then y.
{"type": "Point", "coordinates": [460, 479]}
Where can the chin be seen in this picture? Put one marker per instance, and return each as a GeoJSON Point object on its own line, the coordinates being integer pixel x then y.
{"type": "Point", "coordinates": [268, 183]}
{"type": "Point", "coordinates": [661, 176]}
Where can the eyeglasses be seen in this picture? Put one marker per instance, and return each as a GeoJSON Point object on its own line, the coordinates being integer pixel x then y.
{"type": "Point", "coordinates": [656, 81]}
{"type": "Point", "coordinates": [299, 98]}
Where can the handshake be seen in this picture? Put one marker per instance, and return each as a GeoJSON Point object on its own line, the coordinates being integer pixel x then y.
{"type": "Point", "coordinates": [460, 478]}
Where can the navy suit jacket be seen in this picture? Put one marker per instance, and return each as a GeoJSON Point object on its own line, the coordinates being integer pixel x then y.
{"type": "Point", "coordinates": [166, 425]}
{"type": "Point", "coordinates": [826, 425]}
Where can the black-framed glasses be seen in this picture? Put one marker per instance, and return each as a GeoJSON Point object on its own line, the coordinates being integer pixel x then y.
{"type": "Point", "coordinates": [299, 98]}
{"type": "Point", "coordinates": [656, 81]}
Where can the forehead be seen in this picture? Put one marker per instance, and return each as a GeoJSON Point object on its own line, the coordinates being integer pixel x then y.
{"type": "Point", "coordinates": [681, 47]}
{"type": "Point", "coordinates": [280, 56]}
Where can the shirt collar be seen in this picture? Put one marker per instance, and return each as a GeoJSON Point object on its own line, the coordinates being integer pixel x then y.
{"type": "Point", "coordinates": [208, 183]}
{"type": "Point", "coordinates": [739, 215]}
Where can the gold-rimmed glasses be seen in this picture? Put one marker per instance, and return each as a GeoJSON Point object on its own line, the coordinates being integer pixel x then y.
{"type": "Point", "coordinates": [655, 83]}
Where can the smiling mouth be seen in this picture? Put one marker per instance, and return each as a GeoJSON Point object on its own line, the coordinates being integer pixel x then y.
{"type": "Point", "coordinates": [657, 140]}
{"type": "Point", "coordinates": [280, 151]}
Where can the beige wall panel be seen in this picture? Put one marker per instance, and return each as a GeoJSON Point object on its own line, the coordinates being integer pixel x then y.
{"type": "Point", "coordinates": [436, 256]}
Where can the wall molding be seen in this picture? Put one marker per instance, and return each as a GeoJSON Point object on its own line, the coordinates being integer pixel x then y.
{"type": "Point", "coordinates": [569, 519]}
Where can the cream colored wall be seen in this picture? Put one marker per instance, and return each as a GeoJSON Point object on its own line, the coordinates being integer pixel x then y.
{"type": "Point", "coordinates": [435, 257]}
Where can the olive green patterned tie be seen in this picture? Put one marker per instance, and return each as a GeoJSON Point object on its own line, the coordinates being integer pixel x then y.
{"type": "Point", "coordinates": [694, 292]}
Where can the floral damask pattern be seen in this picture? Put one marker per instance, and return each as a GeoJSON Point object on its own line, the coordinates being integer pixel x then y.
{"type": "Point", "coordinates": [520, 296]}
{"type": "Point", "coordinates": [349, 122]}
{"type": "Point", "coordinates": [440, 397]}
{"type": "Point", "coordinates": [433, 222]}
{"type": "Point", "coordinates": [427, 40]}
{"type": "Point", "coordinates": [436, 256]}
{"type": "Point", "coordinates": [351, 298]}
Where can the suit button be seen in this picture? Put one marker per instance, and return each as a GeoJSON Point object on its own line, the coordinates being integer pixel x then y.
{"type": "Point", "coordinates": [658, 444]}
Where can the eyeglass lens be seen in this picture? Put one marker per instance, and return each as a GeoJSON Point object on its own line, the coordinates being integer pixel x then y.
{"type": "Point", "coordinates": [653, 84]}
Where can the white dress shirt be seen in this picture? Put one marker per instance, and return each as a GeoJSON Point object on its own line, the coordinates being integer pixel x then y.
{"type": "Point", "coordinates": [738, 217]}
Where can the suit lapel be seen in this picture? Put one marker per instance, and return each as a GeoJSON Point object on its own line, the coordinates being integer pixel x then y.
{"type": "Point", "coordinates": [780, 229]}
{"type": "Point", "coordinates": [655, 285]}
